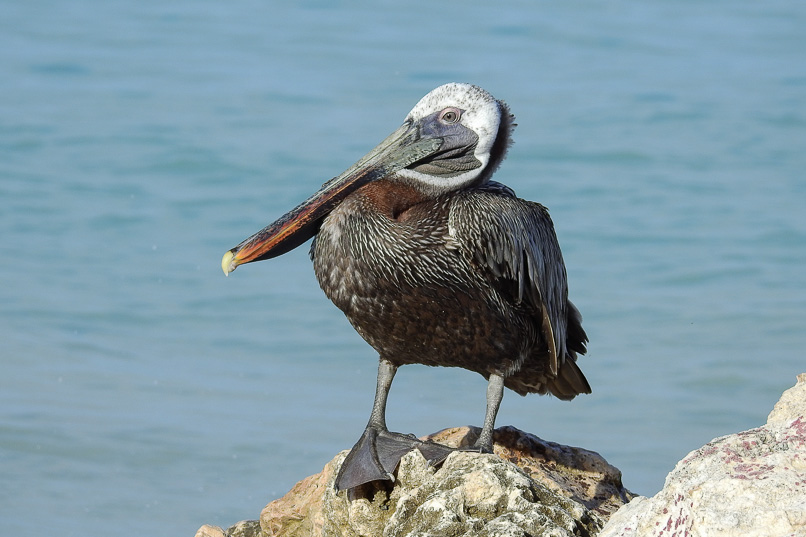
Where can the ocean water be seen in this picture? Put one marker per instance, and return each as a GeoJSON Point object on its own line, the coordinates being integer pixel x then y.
{"type": "Point", "coordinates": [143, 392]}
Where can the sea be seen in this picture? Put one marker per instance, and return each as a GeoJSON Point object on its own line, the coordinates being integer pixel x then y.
{"type": "Point", "coordinates": [143, 393]}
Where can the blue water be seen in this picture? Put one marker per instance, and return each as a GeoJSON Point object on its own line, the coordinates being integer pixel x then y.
{"type": "Point", "coordinates": [143, 392]}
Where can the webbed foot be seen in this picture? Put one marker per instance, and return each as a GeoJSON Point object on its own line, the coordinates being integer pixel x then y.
{"type": "Point", "coordinates": [377, 453]}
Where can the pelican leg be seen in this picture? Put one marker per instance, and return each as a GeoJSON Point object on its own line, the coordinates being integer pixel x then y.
{"type": "Point", "coordinates": [386, 374]}
{"type": "Point", "coordinates": [495, 392]}
{"type": "Point", "coordinates": [378, 452]}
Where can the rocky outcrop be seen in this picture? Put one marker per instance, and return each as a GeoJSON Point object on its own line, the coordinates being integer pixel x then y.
{"type": "Point", "coordinates": [528, 487]}
{"type": "Point", "coordinates": [748, 484]}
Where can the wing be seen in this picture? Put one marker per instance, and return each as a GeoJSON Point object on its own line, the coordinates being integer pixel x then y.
{"type": "Point", "coordinates": [512, 242]}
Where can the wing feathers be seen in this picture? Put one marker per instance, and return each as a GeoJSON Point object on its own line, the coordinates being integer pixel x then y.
{"type": "Point", "coordinates": [512, 241]}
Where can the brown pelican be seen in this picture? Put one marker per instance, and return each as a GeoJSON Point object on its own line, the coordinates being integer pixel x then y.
{"type": "Point", "coordinates": [433, 263]}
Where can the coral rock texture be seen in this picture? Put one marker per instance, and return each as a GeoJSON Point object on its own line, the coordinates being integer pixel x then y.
{"type": "Point", "coordinates": [528, 487]}
{"type": "Point", "coordinates": [747, 484]}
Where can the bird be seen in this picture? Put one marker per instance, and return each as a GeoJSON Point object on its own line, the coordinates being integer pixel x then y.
{"type": "Point", "coordinates": [434, 263]}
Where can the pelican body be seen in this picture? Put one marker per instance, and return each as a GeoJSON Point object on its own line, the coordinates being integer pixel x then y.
{"type": "Point", "coordinates": [433, 263]}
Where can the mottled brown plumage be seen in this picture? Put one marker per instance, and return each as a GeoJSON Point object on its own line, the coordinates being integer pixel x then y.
{"type": "Point", "coordinates": [420, 294]}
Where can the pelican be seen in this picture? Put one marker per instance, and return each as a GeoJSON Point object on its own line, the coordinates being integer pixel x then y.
{"type": "Point", "coordinates": [433, 263]}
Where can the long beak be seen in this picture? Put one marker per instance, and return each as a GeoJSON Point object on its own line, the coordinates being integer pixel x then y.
{"type": "Point", "coordinates": [399, 150]}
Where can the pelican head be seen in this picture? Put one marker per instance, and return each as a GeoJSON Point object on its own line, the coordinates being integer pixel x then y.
{"type": "Point", "coordinates": [455, 137]}
{"type": "Point", "coordinates": [475, 131]}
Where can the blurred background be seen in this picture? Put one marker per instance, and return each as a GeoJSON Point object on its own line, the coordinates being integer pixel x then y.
{"type": "Point", "coordinates": [142, 390]}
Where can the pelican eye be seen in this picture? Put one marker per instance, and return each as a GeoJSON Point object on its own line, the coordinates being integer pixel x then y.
{"type": "Point", "coordinates": [450, 115]}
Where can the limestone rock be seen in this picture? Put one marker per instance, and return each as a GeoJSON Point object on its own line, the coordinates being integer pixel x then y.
{"type": "Point", "coordinates": [791, 405]}
{"type": "Point", "coordinates": [529, 487]}
{"type": "Point", "coordinates": [471, 494]}
{"type": "Point", "coordinates": [748, 484]}
{"type": "Point", "coordinates": [210, 531]}
{"type": "Point", "coordinates": [299, 512]}
{"type": "Point", "coordinates": [576, 473]}
{"type": "Point", "coordinates": [246, 528]}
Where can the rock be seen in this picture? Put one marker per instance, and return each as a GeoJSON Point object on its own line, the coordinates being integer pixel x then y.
{"type": "Point", "coordinates": [246, 528]}
{"type": "Point", "coordinates": [579, 474]}
{"type": "Point", "coordinates": [528, 487]}
{"type": "Point", "coordinates": [471, 494]}
{"type": "Point", "coordinates": [210, 531]}
{"type": "Point", "coordinates": [791, 405]}
{"type": "Point", "coordinates": [747, 484]}
{"type": "Point", "coordinates": [299, 512]}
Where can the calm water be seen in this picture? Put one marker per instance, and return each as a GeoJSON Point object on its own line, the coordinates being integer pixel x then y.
{"type": "Point", "coordinates": [142, 392]}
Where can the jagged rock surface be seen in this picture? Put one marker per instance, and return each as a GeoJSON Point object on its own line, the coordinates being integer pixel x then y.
{"type": "Point", "coordinates": [749, 484]}
{"type": "Point", "coordinates": [529, 487]}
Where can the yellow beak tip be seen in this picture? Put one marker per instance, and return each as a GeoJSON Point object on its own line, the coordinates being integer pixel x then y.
{"type": "Point", "coordinates": [226, 263]}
